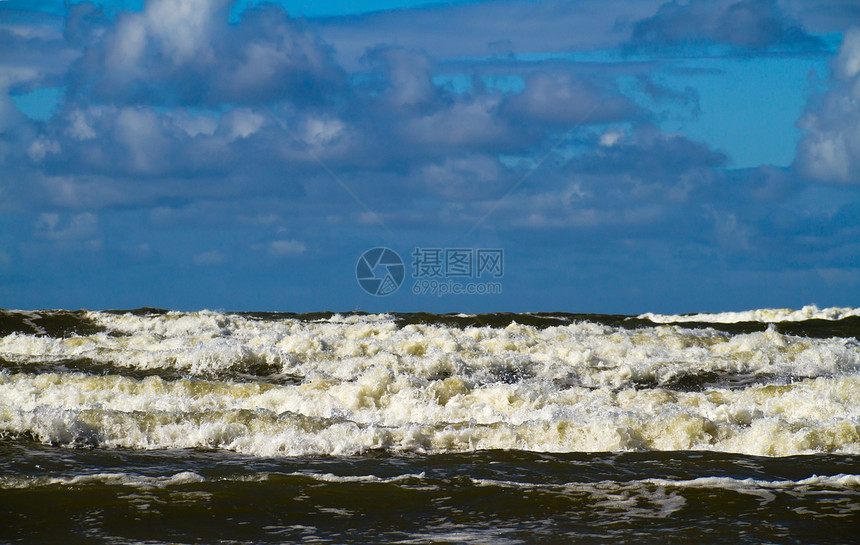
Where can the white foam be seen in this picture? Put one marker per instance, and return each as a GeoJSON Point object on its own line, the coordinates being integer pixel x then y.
{"type": "Point", "coordinates": [402, 414]}
{"type": "Point", "coordinates": [332, 478]}
{"type": "Point", "coordinates": [587, 354]}
{"type": "Point", "coordinates": [660, 498]}
{"type": "Point", "coordinates": [450, 532]}
{"type": "Point", "coordinates": [123, 479]}
{"type": "Point", "coordinates": [366, 383]}
{"type": "Point", "coordinates": [767, 315]}
{"type": "Point", "coordinates": [841, 480]}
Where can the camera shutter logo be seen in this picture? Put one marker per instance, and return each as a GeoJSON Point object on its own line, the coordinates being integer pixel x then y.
{"type": "Point", "coordinates": [380, 271]}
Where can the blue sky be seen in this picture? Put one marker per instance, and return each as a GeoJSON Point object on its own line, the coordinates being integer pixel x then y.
{"type": "Point", "coordinates": [627, 156]}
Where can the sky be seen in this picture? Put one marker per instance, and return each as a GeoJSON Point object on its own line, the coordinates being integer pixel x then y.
{"type": "Point", "coordinates": [611, 156]}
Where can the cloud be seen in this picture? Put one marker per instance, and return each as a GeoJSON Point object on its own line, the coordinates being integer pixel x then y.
{"type": "Point", "coordinates": [830, 149]}
{"type": "Point", "coordinates": [187, 53]}
{"type": "Point", "coordinates": [446, 31]}
{"type": "Point", "coordinates": [56, 227]}
{"type": "Point", "coordinates": [472, 124]}
{"type": "Point", "coordinates": [463, 178]}
{"type": "Point", "coordinates": [824, 16]}
{"type": "Point", "coordinates": [408, 77]}
{"type": "Point", "coordinates": [754, 24]}
{"type": "Point", "coordinates": [155, 115]}
{"type": "Point", "coordinates": [642, 178]}
{"type": "Point", "coordinates": [33, 52]}
{"type": "Point", "coordinates": [281, 248]}
{"type": "Point", "coordinates": [101, 139]}
{"type": "Point", "coordinates": [178, 125]}
{"type": "Point", "coordinates": [212, 257]}
{"type": "Point", "coordinates": [559, 97]}
{"type": "Point", "coordinates": [261, 219]}
{"type": "Point", "coordinates": [687, 99]}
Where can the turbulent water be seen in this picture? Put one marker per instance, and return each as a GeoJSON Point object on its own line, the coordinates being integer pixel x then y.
{"type": "Point", "coordinates": [173, 427]}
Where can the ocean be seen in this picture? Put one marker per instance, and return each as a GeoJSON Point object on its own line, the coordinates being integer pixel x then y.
{"type": "Point", "coordinates": [155, 426]}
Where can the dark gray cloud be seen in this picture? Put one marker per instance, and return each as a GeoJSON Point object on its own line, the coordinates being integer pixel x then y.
{"type": "Point", "coordinates": [478, 29]}
{"type": "Point", "coordinates": [755, 24]}
{"type": "Point", "coordinates": [628, 178]}
{"type": "Point", "coordinates": [687, 99]}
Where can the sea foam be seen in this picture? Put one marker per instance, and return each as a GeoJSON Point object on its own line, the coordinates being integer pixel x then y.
{"type": "Point", "coordinates": [360, 383]}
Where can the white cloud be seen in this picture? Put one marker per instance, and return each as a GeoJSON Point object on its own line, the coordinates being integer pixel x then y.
{"type": "Point", "coordinates": [559, 97]}
{"type": "Point", "coordinates": [53, 226]}
{"type": "Point", "coordinates": [212, 257]}
{"type": "Point", "coordinates": [611, 137]}
{"type": "Point", "coordinates": [261, 219]}
{"type": "Point", "coordinates": [830, 149]}
{"type": "Point", "coordinates": [321, 132]}
{"type": "Point", "coordinates": [847, 62]}
{"type": "Point", "coordinates": [242, 123]}
{"type": "Point", "coordinates": [409, 75]}
{"type": "Point", "coordinates": [140, 131]}
{"type": "Point", "coordinates": [184, 26]}
{"type": "Point", "coordinates": [188, 52]}
{"type": "Point", "coordinates": [79, 127]}
{"type": "Point", "coordinates": [280, 248]}
{"type": "Point", "coordinates": [464, 178]}
{"type": "Point", "coordinates": [41, 147]}
{"type": "Point", "coordinates": [194, 125]}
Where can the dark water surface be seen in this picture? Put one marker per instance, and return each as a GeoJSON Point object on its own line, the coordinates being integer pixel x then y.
{"type": "Point", "coordinates": [56, 494]}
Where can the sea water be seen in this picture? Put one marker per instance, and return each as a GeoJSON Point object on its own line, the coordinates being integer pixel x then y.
{"type": "Point", "coordinates": [172, 427]}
